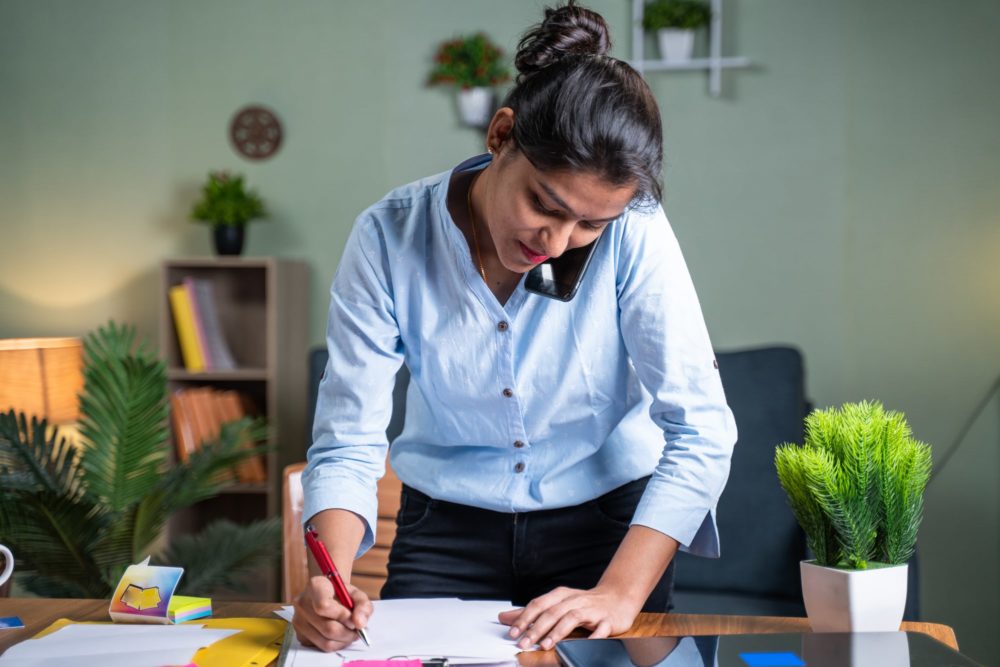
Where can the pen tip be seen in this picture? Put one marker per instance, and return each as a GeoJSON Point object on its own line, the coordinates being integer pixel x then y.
{"type": "Point", "coordinates": [364, 637]}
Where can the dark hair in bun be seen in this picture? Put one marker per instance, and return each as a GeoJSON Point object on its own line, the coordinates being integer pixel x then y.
{"type": "Point", "coordinates": [569, 30]}
{"type": "Point", "coordinates": [577, 109]}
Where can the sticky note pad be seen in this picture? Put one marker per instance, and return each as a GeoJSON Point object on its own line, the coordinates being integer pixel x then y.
{"type": "Point", "coordinates": [786, 659]}
{"type": "Point", "coordinates": [10, 623]}
{"type": "Point", "coordinates": [185, 608]}
{"type": "Point", "coordinates": [383, 663]}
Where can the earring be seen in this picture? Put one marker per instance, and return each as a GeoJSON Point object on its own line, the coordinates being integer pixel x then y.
{"type": "Point", "coordinates": [489, 149]}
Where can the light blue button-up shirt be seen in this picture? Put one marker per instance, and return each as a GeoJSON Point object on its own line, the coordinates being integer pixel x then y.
{"type": "Point", "coordinates": [619, 383]}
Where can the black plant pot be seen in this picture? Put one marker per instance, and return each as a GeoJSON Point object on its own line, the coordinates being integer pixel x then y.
{"type": "Point", "coordinates": [228, 240]}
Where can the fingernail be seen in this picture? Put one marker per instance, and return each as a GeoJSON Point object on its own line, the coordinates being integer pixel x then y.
{"type": "Point", "coordinates": [546, 643]}
{"type": "Point", "coordinates": [515, 631]}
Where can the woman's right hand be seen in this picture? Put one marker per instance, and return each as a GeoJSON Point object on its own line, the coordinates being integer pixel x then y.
{"type": "Point", "coordinates": [321, 621]}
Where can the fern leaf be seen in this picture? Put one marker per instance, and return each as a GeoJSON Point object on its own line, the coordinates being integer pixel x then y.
{"type": "Point", "coordinates": [35, 458]}
{"type": "Point", "coordinates": [52, 535]}
{"type": "Point", "coordinates": [224, 554]}
{"type": "Point", "coordinates": [123, 417]}
{"type": "Point", "coordinates": [197, 479]}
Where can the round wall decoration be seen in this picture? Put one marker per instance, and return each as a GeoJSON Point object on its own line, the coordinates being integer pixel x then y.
{"type": "Point", "coordinates": [255, 132]}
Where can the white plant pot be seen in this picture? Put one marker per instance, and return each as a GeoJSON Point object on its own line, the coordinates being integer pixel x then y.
{"type": "Point", "coordinates": [675, 45]}
{"type": "Point", "coordinates": [475, 106]}
{"type": "Point", "coordinates": [870, 600]}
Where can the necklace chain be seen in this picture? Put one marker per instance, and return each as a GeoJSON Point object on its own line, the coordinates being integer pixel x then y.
{"type": "Point", "coordinates": [475, 234]}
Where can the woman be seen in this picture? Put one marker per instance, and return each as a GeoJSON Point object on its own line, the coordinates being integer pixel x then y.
{"type": "Point", "coordinates": [556, 454]}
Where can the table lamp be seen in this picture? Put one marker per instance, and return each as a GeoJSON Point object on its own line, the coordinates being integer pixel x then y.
{"type": "Point", "coordinates": [41, 377]}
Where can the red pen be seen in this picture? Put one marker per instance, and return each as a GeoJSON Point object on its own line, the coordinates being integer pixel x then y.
{"type": "Point", "coordinates": [329, 571]}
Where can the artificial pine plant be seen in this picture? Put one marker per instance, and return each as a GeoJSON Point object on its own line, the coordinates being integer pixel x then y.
{"type": "Point", "coordinates": [856, 485]}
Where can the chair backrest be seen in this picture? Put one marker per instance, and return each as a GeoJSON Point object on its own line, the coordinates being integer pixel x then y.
{"type": "Point", "coordinates": [762, 543]}
{"type": "Point", "coordinates": [294, 563]}
{"type": "Point", "coordinates": [370, 570]}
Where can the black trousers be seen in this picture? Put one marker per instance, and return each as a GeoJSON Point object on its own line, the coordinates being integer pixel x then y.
{"type": "Point", "coordinates": [443, 549]}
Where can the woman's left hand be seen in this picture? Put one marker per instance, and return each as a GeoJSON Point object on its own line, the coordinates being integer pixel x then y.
{"type": "Point", "coordinates": [552, 616]}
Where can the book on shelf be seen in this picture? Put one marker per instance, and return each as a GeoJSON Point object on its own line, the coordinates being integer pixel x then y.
{"type": "Point", "coordinates": [185, 439]}
{"type": "Point", "coordinates": [182, 310]}
{"type": "Point", "coordinates": [197, 319]}
{"type": "Point", "coordinates": [198, 414]}
{"type": "Point", "coordinates": [217, 352]}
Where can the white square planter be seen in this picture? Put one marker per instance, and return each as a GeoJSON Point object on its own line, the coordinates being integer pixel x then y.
{"type": "Point", "coordinates": [854, 600]}
{"type": "Point", "coordinates": [475, 106]}
{"type": "Point", "coordinates": [676, 46]}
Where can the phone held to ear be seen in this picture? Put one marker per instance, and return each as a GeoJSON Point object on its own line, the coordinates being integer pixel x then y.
{"type": "Point", "coordinates": [560, 277]}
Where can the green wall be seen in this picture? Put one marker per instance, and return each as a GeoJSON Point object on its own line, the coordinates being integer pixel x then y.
{"type": "Point", "coordinates": [841, 196]}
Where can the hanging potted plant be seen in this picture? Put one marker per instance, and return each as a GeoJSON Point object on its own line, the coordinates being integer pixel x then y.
{"type": "Point", "coordinates": [475, 66]}
{"type": "Point", "coordinates": [227, 206]}
{"type": "Point", "coordinates": [675, 22]}
{"type": "Point", "coordinates": [856, 488]}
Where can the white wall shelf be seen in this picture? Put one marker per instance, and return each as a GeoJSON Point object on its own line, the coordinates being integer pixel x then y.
{"type": "Point", "coordinates": [715, 62]}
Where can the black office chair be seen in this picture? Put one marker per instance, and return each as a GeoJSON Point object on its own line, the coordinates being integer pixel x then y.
{"type": "Point", "coordinates": [762, 544]}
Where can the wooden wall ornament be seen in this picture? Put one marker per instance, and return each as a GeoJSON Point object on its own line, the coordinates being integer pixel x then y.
{"type": "Point", "coordinates": [255, 132]}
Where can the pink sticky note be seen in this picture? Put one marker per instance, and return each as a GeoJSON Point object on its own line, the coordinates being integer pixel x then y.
{"type": "Point", "coordinates": [383, 663]}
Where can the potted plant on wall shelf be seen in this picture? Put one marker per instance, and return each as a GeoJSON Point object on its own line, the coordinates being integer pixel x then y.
{"type": "Point", "coordinates": [474, 65]}
{"type": "Point", "coordinates": [856, 488]}
{"type": "Point", "coordinates": [227, 205]}
{"type": "Point", "coordinates": [675, 22]}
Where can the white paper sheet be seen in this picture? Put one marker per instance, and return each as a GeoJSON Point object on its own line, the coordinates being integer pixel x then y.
{"type": "Point", "coordinates": [466, 632]}
{"type": "Point", "coordinates": [111, 645]}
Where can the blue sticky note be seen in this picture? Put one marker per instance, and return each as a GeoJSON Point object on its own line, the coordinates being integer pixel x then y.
{"type": "Point", "coordinates": [786, 659]}
{"type": "Point", "coordinates": [10, 623]}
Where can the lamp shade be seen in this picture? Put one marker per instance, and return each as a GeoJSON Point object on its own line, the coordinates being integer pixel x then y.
{"type": "Point", "coordinates": [41, 377]}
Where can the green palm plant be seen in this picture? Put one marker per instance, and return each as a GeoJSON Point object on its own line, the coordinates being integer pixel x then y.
{"type": "Point", "coordinates": [77, 516]}
{"type": "Point", "coordinates": [856, 485]}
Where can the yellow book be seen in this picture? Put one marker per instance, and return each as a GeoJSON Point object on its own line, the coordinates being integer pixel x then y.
{"type": "Point", "coordinates": [182, 309]}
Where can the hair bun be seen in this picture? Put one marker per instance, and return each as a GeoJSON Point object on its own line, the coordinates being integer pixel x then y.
{"type": "Point", "coordinates": [565, 31]}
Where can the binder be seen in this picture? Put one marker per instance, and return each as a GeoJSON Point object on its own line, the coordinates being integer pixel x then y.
{"type": "Point", "coordinates": [258, 642]}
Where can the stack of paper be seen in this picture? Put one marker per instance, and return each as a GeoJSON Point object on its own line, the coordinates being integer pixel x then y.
{"type": "Point", "coordinates": [184, 608]}
{"type": "Point", "coordinates": [465, 632]}
{"type": "Point", "coordinates": [111, 645]}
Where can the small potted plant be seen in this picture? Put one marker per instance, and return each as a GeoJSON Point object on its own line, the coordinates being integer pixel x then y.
{"type": "Point", "coordinates": [675, 22]}
{"type": "Point", "coordinates": [227, 205]}
{"type": "Point", "coordinates": [856, 488]}
{"type": "Point", "coordinates": [474, 65]}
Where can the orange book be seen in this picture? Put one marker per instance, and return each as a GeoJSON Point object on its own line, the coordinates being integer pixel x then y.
{"type": "Point", "coordinates": [207, 418]}
{"type": "Point", "coordinates": [250, 470]}
{"type": "Point", "coordinates": [184, 434]}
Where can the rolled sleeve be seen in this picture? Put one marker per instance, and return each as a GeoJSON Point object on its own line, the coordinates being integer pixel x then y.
{"type": "Point", "coordinates": [354, 404]}
{"type": "Point", "coordinates": [666, 338]}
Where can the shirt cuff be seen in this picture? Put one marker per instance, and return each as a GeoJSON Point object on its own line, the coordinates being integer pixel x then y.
{"type": "Point", "coordinates": [695, 529]}
{"type": "Point", "coordinates": [324, 489]}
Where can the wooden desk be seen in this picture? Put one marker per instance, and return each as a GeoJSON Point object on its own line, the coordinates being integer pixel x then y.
{"type": "Point", "coordinates": [38, 614]}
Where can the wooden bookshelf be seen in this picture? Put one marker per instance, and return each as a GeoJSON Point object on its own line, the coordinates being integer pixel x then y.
{"type": "Point", "coordinates": [262, 304]}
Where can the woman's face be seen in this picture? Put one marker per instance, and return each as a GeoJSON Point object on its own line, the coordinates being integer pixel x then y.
{"type": "Point", "coordinates": [533, 215]}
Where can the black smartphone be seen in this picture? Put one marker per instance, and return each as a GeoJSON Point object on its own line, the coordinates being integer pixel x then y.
{"type": "Point", "coordinates": [560, 277]}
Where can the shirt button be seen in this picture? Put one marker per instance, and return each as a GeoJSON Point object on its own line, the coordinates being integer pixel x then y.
{"type": "Point", "coordinates": [518, 444]}
{"type": "Point", "coordinates": [508, 392]}
{"type": "Point", "coordinates": [519, 467]}
{"type": "Point", "coordinates": [502, 325]}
